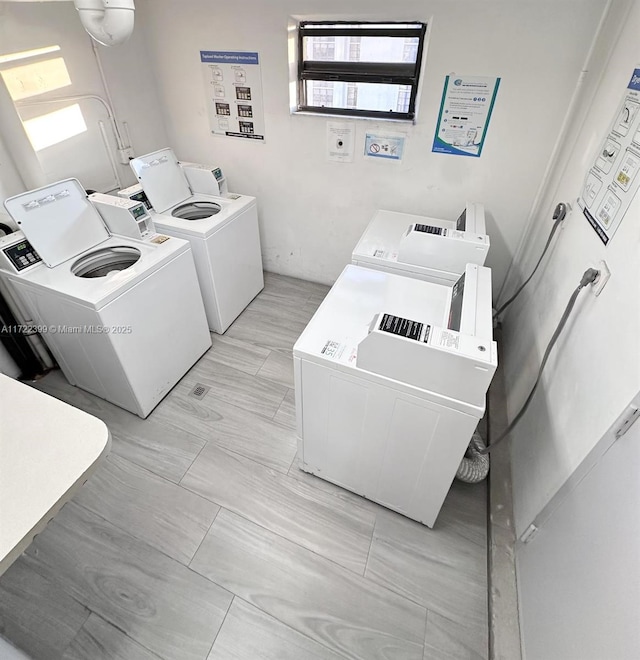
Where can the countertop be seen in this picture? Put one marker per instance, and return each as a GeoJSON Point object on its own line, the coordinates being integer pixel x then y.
{"type": "Point", "coordinates": [48, 449]}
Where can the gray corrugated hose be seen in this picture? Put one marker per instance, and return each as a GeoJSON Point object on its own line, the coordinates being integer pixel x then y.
{"type": "Point", "coordinates": [474, 467]}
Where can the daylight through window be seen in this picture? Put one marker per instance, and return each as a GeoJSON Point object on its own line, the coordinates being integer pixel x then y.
{"type": "Point", "coordinates": [360, 69]}
{"type": "Point", "coordinates": [32, 76]}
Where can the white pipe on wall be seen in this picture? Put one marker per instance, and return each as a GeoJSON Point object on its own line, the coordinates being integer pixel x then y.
{"type": "Point", "coordinates": [109, 22]}
{"type": "Point", "coordinates": [112, 114]}
{"type": "Point", "coordinates": [568, 123]}
{"type": "Point", "coordinates": [114, 165]}
{"type": "Point", "coordinates": [127, 135]}
{"type": "Point", "coordinates": [81, 97]}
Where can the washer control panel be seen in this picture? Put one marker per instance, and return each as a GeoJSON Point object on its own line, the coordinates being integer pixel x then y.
{"type": "Point", "coordinates": [21, 255]}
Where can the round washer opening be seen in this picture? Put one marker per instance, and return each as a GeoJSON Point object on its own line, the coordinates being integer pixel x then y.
{"type": "Point", "coordinates": [196, 210]}
{"type": "Point", "coordinates": [108, 260]}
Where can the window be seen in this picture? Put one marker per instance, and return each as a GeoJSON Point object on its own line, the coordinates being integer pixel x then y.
{"type": "Point", "coordinates": [359, 69]}
{"type": "Point", "coordinates": [322, 94]}
{"type": "Point", "coordinates": [324, 48]}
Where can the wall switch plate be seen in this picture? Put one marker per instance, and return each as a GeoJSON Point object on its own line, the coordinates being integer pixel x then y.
{"type": "Point", "coordinates": [602, 278]}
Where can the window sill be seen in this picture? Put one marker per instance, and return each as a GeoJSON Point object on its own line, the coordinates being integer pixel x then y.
{"type": "Point", "coordinates": [326, 115]}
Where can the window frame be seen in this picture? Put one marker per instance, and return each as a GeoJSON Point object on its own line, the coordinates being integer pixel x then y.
{"type": "Point", "coordinates": [394, 73]}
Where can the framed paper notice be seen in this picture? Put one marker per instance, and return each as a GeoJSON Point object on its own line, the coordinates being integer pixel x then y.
{"type": "Point", "coordinates": [614, 178]}
{"type": "Point", "coordinates": [233, 88]}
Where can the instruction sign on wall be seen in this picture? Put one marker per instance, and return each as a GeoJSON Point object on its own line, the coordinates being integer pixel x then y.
{"type": "Point", "coordinates": [465, 112]}
{"type": "Point", "coordinates": [340, 141]}
{"type": "Point", "coordinates": [233, 88]}
{"type": "Point", "coordinates": [388, 146]}
{"type": "Point", "coordinates": [613, 179]}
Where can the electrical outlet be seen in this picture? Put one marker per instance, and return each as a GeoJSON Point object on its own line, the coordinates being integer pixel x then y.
{"type": "Point", "coordinates": [602, 279]}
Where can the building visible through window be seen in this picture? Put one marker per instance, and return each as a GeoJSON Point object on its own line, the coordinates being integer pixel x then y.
{"type": "Point", "coordinates": [323, 94]}
{"type": "Point", "coordinates": [324, 48]}
{"type": "Point", "coordinates": [360, 69]}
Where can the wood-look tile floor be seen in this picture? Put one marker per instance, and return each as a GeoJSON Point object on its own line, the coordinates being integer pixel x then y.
{"type": "Point", "coordinates": [199, 538]}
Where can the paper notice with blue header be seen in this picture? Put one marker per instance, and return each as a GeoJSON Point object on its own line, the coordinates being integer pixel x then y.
{"type": "Point", "coordinates": [233, 88]}
{"type": "Point", "coordinates": [614, 177]}
{"type": "Point", "coordinates": [465, 112]}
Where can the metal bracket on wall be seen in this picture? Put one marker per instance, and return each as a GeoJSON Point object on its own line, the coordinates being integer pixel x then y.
{"type": "Point", "coordinates": [528, 533]}
{"type": "Point", "coordinates": [626, 420]}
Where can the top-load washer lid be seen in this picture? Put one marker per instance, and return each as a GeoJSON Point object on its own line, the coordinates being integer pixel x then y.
{"type": "Point", "coordinates": [162, 179]}
{"type": "Point", "coordinates": [59, 221]}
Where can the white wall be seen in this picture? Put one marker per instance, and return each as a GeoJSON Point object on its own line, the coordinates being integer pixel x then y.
{"type": "Point", "coordinates": [24, 26]}
{"type": "Point", "coordinates": [10, 181]}
{"type": "Point", "coordinates": [595, 368]}
{"type": "Point", "coordinates": [313, 211]}
{"type": "Point", "coordinates": [579, 577]}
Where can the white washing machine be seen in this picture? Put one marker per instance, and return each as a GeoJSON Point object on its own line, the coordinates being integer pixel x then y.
{"type": "Point", "coordinates": [391, 376]}
{"type": "Point", "coordinates": [124, 318]}
{"type": "Point", "coordinates": [426, 248]}
{"type": "Point", "coordinates": [223, 232]}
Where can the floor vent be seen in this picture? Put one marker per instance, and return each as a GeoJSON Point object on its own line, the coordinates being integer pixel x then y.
{"type": "Point", "coordinates": [199, 391]}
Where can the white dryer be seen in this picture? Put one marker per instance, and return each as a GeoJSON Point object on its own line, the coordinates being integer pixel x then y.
{"type": "Point", "coordinates": [391, 375]}
{"type": "Point", "coordinates": [124, 318]}
{"type": "Point", "coordinates": [223, 232]}
{"type": "Point", "coordinates": [429, 249]}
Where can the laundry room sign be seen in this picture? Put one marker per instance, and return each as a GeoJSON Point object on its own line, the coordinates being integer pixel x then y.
{"type": "Point", "coordinates": [233, 91]}
{"type": "Point", "coordinates": [613, 180]}
{"type": "Point", "coordinates": [465, 112]}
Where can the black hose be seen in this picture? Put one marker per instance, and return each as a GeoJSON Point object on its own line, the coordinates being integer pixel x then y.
{"type": "Point", "coordinates": [6, 229]}
{"type": "Point", "coordinates": [559, 215]}
{"type": "Point", "coordinates": [17, 346]}
{"type": "Point", "coordinates": [588, 277]}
